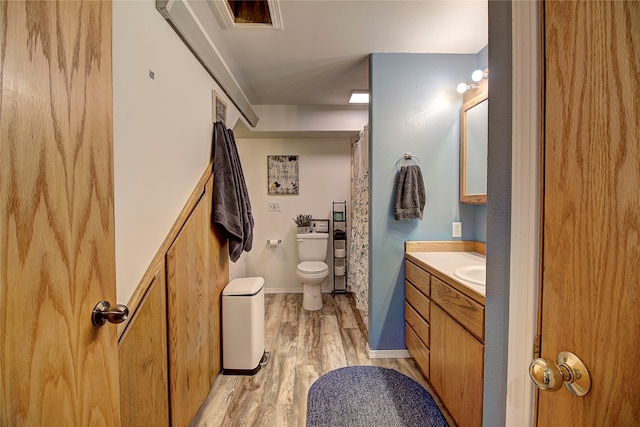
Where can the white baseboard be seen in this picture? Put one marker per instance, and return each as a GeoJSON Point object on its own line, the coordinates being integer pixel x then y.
{"type": "Point", "coordinates": [388, 354]}
{"type": "Point", "coordinates": [282, 290]}
{"type": "Point", "coordinates": [290, 290]}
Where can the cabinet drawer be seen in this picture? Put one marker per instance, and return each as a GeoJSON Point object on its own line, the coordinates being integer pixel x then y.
{"type": "Point", "coordinates": [418, 350]}
{"type": "Point", "coordinates": [465, 311]}
{"type": "Point", "coordinates": [417, 323]}
{"type": "Point", "coordinates": [420, 278]}
{"type": "Point", "coordinates": [417, 300]}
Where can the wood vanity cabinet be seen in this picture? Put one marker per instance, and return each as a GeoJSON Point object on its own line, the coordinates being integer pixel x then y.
{"type": "Point", "coordinates": [417, 317]}
{"type": "Point", "coordinates": [445, 335]}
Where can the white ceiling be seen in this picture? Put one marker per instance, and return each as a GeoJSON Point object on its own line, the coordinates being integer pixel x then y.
{"type": "Point", "coordinates": [321, 54]}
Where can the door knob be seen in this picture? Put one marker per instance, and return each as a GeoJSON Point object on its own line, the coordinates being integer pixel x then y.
{"type": "Point", "coordinates": [569, 370]}
{"type": "Point", "coordinates": [103, 312]}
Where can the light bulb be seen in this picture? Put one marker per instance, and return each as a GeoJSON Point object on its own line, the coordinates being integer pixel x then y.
{"type": "Point", "coordinates": [462, 87]}
{"type": "Point", "coordinates": [477, 75]}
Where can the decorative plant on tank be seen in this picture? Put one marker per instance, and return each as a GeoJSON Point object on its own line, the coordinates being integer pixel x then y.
{"type": "Point", "coordinates": [303, 221]}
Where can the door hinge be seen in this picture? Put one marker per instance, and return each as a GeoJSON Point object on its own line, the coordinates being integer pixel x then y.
{"type": "Point", "coordinates": [536, 346]}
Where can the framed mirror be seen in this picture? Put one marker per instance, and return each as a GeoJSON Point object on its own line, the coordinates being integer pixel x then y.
{"type": "Point", "coordinates": [473, 149]}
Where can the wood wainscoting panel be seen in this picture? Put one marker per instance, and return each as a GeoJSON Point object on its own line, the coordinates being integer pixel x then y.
{"type": "Point", "coordinates": [144, 380]}
{"type": "Point", "coordinates": [197, 272]}
{"type": "Point", "coordinates": [188, 302]}
{"type": "Point", "coordinates": [219, 278]}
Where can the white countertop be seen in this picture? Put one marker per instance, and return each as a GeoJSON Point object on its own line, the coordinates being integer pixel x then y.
{"type": "Point", "coordinates": [447, 262]}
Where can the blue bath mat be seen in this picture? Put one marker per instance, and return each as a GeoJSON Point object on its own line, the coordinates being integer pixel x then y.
{"type": "Point", "coordinates": [370, 396]}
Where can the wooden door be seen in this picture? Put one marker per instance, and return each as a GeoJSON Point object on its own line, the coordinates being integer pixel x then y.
{"type": "Point", "coordinates": [591, 232]}
{"type": "Point", "coordinates": [57, 257]}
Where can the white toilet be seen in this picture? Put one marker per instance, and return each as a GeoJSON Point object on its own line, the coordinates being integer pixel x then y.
{"type": "Point", "coordinates": [312, 270]}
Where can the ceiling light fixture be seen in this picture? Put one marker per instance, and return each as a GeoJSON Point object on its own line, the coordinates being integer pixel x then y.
{"type": "Point", "coordinates": [477, 77]}
{"type": "Point", "coordinates": [359, 97]}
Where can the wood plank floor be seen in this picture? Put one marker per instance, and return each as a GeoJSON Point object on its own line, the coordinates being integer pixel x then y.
{"type": "Point", "coordinates": [304, 345]}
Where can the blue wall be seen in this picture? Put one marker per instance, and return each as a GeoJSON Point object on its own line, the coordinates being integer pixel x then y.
{"type": "Point", "coordinates": [414, 108]}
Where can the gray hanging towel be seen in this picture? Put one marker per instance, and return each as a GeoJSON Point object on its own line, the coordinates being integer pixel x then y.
{"type": "Point", "coordinates": [231, 205]}
{"type": "Point", "coordinates": [410, 193]}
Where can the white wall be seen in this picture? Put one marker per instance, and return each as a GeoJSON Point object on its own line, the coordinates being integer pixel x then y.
{"type": "Point", "coordinates": [325, 174]}
{"type": "Point", "coordinates": [162, 145]}
{"type": "Point", "coordinates": [310, 118]}
{"type": "Point", "coordinates": [162, 133]}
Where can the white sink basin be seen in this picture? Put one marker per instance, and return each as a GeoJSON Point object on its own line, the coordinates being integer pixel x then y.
{"type": "Point", "coordinates": [476, 274]}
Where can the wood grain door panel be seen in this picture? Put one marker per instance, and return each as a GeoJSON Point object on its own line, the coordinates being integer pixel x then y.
{"type": "Point", "coordinates": [591, 231]}
{"type": "Point", "coordinates": [57, 256]}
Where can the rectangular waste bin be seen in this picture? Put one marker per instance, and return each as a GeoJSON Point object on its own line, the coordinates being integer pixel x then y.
{"type": "Point", "coordinates": [243, 326]}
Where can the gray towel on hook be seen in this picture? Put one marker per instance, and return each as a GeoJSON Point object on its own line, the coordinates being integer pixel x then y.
{"type": "Point", "coordinates": [410, 193]}
{"type": "Point", "coordinates": [231, 205]}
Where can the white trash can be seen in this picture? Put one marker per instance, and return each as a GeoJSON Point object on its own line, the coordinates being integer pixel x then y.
{"type": "Point", "coordinates": [243, 326]}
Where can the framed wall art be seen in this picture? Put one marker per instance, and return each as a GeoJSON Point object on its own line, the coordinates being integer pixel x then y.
{"type": "Point", "coordinates": [282, 175]}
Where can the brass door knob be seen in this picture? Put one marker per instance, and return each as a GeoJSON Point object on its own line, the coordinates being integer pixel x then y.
{"type": "Point", "coordinates": [103, 313]}
{"type": "Point", "coordinates": [569, 370]}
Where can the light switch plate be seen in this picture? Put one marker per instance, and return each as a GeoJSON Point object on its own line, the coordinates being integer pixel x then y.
{"type": "Point", "coordinates": [274, 207]}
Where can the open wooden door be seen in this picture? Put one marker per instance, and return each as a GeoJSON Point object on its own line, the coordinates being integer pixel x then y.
{"type": "Point", "coordinates": [590, 301]}
{"type": "Point", "coordinates": [57, 257]}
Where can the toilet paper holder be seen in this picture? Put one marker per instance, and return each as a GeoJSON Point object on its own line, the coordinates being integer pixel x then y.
{"type": "Point", "coordinates": [273, 242]}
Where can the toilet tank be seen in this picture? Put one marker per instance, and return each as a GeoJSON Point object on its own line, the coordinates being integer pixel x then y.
{"type": "Point", "coordinates": [312, 246]}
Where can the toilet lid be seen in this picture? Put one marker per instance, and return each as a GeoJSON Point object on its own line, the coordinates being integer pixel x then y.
{"type": "Point", "coordinates": [311, 267]}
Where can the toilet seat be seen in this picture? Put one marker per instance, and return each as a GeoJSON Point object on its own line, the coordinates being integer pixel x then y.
{"type": "Point", "coordinates": [313, 267]}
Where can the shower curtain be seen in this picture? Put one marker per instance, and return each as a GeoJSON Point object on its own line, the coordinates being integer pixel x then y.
{"type": "Point", "coordinates": [358, 268]}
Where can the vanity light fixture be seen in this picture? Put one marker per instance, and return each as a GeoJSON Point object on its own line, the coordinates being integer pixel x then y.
{"type": "Point", "coordinates": [476, 78]}
{"type": "Point", "coordinates": [359, 97]}
{"type": "Point", "coordinates": [463, 87]}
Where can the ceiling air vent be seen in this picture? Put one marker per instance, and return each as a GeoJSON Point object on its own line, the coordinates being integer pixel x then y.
{"type": "Point", "coordinates": [247, 13]}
